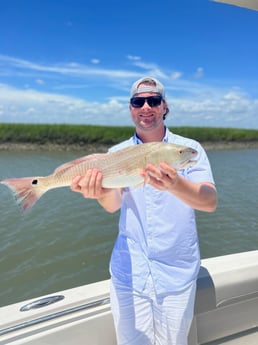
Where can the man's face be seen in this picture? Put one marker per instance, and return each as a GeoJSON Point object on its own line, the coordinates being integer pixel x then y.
{"type": "Point", "coordinates": [148, 117]}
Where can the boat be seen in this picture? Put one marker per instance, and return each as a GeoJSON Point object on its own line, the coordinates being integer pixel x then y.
{"type": "Point", "coordinates": [226, 310]}
{"type": "Point", "coordinates": [250, 4]}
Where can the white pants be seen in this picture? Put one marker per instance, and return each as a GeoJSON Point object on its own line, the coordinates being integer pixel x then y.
{"type": "Point", "coordinates": [145, 319]}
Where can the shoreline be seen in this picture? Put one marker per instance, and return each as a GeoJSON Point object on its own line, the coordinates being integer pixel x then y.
{"type": "Point", "coordinates": [229, 145]}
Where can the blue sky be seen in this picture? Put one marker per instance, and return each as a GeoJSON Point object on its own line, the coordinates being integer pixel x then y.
{"type": "Point", "coordinates": [73, 61]}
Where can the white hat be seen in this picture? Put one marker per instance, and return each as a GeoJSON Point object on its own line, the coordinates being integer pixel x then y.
{"type": "Point", "coordinates": [157, 87]}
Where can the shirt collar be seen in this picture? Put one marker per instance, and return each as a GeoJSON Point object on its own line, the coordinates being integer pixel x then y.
{"type": "Point", "coordinates": [137, 140]}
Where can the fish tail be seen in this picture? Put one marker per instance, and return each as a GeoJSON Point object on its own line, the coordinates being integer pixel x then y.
{"type": "Point", "coordinates": [26, 191]}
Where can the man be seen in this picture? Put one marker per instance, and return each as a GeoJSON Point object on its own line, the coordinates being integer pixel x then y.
{"type": "Point", "coordinates": [155, 260]}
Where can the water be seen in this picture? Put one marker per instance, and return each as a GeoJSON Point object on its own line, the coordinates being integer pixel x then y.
{"type": "Point", "coordinates": [66, 240]}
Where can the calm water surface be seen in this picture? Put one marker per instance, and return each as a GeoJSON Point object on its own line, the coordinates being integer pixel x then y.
{"type": "Point", "coordinates": [66, 240]}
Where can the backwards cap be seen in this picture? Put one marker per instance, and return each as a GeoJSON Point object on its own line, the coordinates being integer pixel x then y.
{"type": "Point", "coordinates": [153, 86]}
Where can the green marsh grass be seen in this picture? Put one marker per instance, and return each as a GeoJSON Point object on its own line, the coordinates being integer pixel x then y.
{"type": "Point", "coordinates": [63, 134]}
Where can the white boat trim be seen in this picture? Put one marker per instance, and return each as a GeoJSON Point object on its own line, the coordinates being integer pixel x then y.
{"type": "Point", "coordinates": [52, 316]}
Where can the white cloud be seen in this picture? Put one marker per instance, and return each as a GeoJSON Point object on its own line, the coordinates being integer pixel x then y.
{"type": "Point", "coordinates": [93, 95]}
{"type": "Point", "coordinates": [199, 72]}
{"type": "Point", "coordinates": [68, 69]}
{"type": "Point", "coordinates": [151, 68]}
{"type": "Point", "coordinates": [176, 75]}
{"type": "Point", "coordinates": [38, 107]}
{"type": "Point", "coordinates": [95, 61]}
{"type": "Point", "coordinates": [39, 82]}
{"type": "Point", "coordinates": [133, 58]}
{"type": "Point", "coordinates": [228, 110]}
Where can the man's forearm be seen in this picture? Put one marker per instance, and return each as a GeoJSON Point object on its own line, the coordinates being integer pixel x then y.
{"type": "Point", "coordinates": [111, 201]}
{"type": "Point", "coordinates": [200, 196]}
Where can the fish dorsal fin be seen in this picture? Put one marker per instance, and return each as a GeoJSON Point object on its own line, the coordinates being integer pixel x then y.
{"type": "Point", "coordinates": [66, 166]}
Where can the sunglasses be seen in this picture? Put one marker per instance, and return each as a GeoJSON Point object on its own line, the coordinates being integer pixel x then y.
{"type": "Point", "coordinates": [138, 102]}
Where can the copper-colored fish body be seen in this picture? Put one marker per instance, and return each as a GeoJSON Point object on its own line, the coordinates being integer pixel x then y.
{"type": "Point", "coordinates": [119, 169]}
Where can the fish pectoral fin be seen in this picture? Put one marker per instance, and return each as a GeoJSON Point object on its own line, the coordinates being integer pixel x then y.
{"type": "Point", "coordinates": [138, 182]}
{"type": "Point", "coordinates": [143, 183]}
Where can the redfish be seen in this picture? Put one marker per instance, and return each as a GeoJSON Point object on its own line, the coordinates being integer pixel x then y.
{"type": "Point", "coordinates": [119, 169]}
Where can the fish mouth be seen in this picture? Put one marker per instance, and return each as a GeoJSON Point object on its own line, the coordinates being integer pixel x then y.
{"type": "Point", "coordinates": [190, 150]}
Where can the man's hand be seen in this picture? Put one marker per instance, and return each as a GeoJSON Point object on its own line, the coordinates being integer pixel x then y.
{"type": "Point", "coordinates": [163, 177]}
{"type": "Point", "coordinates": [201, 196]}
{"type": "Point", "coordinates": [90, 185]}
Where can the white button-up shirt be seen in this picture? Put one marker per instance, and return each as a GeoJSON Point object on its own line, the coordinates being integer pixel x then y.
{"type": "Point", "coordinates": [157, 231]}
